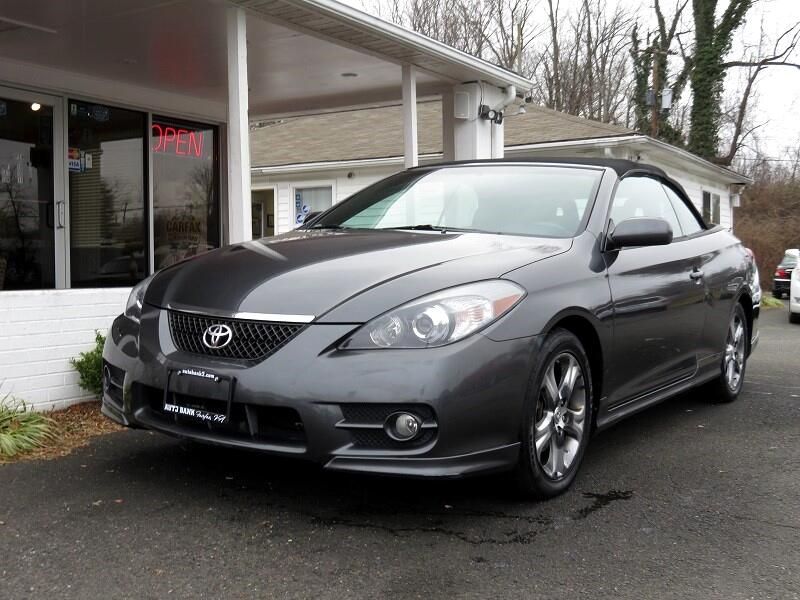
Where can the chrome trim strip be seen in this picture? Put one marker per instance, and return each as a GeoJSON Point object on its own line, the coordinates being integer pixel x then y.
{"type": "Point", "coordinates": [246, 316]}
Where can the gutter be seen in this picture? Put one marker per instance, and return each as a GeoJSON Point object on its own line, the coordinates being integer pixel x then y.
{"type": "Point", "coordinates": [724, 171]}
{"type": "Point", "coordinates": [635, 139]}
{"type": "Point", "coordinates": [606, 142]}
{"type": "Point", "coordinates": [342, 164]}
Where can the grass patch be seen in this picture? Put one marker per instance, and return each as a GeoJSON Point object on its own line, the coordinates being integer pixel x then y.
{"type": "Point", "coordinates": [71, 428]}
{"type": "Point", "coordinates": [22, 430]}
{"type": "Point", "coordinates": [89, 366]}
{"type": "Point", "coordinates": [768, 301]}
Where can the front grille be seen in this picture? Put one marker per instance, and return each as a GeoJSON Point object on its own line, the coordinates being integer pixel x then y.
{"type": "Point", "coordinates": [376, 439]}
{"type": "Point", "coordinates": [378, 413]}
{"type": "Point", "coordinates": [251, 340]}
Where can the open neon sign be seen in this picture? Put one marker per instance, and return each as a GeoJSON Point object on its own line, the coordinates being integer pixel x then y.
{"type": "Point", "coordinates": [176, 140]}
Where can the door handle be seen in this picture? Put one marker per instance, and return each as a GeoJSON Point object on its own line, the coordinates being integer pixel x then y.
{"type": "Point", "coordinates": [696, 274]}
{"type": "Point", "coordinates": [60, 214]}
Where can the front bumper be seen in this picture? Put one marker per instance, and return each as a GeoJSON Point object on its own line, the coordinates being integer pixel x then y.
{"type": "Point", "coordinates": [312, 401]}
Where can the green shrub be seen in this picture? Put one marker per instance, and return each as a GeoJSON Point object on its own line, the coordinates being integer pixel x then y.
{"type": "Point", "coordinates": [21, 430]}
{"type": "Point", "coordinates": [768, 301]}
{"type": "Point", "coordinates": [89, 366]}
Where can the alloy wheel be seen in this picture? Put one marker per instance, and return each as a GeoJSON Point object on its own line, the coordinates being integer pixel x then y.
{"type": "Point", "coordinates": [560, 422]}
{"type": "Point", "coordinates": [733, 361]}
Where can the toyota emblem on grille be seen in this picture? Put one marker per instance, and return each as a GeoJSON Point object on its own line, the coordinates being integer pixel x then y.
{"type": "Point", "coordinates": [217, 336]}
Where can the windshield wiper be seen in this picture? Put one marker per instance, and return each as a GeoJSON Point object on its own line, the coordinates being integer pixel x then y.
{"type": "Point", "coordinates": [328, 226]}
{"type": "Point", "coordinates": [424, 227]}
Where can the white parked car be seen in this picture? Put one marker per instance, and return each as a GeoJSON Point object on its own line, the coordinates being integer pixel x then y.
{"type": "Point", "coordinates": [794, 297]}
{"type": "Point", "coordinates": [755, 283]}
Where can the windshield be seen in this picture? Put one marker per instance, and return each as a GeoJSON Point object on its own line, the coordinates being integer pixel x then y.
{"type": "Point", "coordinates": [789, 260]}
{"type": "Point", "coordinates": [511, 199]}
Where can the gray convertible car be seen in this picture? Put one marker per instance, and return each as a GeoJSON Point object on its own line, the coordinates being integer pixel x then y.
{"type": "Point", "coordinates": [448, 320]}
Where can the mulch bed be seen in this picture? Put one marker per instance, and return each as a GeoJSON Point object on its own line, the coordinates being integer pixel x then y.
{"type": "Point", "coordinates": [73, 428]}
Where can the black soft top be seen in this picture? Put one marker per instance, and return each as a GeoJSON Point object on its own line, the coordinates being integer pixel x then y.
{"type": "Point", "coordinates": [617, 164]}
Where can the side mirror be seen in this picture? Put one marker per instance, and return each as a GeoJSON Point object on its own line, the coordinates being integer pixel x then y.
{"type": "Point", "coordinates": [643, 231]}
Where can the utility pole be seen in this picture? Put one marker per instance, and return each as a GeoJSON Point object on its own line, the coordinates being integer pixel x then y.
{"type": "Point", "coordinates": [661, 99]}
{"type": "Point", "coordinates": [655, 109]}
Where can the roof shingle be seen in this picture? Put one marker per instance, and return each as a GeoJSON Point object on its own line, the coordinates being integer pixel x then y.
{"type": "Point", "coordinates": [378, 133]}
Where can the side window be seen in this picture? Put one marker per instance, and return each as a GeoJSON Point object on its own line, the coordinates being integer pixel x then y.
{"type": "Point", "coordinates": [687, 218]}
{"type": "Point", "coordinates": [711, 208]}
{"type": "Point", "coordinates": [643, 197]}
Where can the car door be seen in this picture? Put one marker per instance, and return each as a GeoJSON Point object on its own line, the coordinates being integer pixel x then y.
{"type": "Point", "coordinates": [722, 260]}
{"type": "Point", "coordinates": [657, 295]}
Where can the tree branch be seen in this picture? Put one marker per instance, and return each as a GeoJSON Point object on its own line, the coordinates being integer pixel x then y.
{"type": "Point", "coordinates": [759, 63]}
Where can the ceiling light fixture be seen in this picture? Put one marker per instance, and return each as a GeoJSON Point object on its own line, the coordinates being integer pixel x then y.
{"type": "Point", "coordinates": [35, 106]}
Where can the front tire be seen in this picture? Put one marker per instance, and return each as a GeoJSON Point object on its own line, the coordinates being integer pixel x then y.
{"type": "Point", "coordinates": [558, 418]}
{"type": "Point", "coordinates": [728, 385]}
{"type": "Point", "coordinates": [794, 317]}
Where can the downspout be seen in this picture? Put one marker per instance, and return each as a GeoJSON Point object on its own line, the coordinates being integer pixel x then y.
{"type": "Point", "coordinates": [498, 132]}
{"type": "Point", "coordinates": [509, 95]}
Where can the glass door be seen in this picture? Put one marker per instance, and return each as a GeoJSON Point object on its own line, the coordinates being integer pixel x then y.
{"type": "Point", "coordinates": [107, 202]}
{"type": "Point", "coordinates": [31, 208]}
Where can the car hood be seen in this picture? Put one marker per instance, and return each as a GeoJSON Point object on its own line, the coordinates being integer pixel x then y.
{"type": "Point", "coordinates": [312, 272]}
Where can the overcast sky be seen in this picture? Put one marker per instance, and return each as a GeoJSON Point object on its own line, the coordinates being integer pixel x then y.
{"type": "Point", "coordinates": [778, 88]}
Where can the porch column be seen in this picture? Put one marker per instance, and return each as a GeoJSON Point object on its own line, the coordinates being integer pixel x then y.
{"type": "Point", "coordinates": [239, 203]}
{"type": "Point", "coordinates": [499, 140]}
{"type": "Point", "coordinates": [448, 148]}
{"type": "Point", "coordinates": [473, 136]}
{"type": "Point", "coordinates": [410, 151]}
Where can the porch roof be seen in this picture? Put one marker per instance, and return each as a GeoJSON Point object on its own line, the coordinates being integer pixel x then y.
{"type": "Point", "coordinates": [302, 54]}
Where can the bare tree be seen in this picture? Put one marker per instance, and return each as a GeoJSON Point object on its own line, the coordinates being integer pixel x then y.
{"type": "Point", "coordinates": [584, 69]}
{"type": "Point", "coordinates": [510, 32]}
{"type": "Point", "coordinates": [462, 24]}
{"type": "Point", "coordinates": [601, 63]}
{"type": "Point", "coordinates": [497, 30]}
{"type": "Point", "coordinates": [755, 60]}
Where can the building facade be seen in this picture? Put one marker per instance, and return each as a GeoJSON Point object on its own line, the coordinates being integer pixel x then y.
{"type": "Point", "coordinates": [124, 145]}
{"type": "Point", "coordinates": [295, 156]}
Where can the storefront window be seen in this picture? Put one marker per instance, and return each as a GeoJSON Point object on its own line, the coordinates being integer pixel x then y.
{"type": "Point", "coordinates": [108, 233]}
{"type": "Point", "coordinates": [27, 239]}
{"type": "Point", "coordinates": [185, 190]}
{"type": "Point", "coordinates": [311, 200]}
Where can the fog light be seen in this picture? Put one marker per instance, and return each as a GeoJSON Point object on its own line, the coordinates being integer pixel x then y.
{"type": "Point", "coordinates": [403, 426]}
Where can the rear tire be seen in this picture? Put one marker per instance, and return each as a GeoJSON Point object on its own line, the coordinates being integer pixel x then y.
{"type": "Point", "coordinates": [794, 317]}
{"type": "Point", "coordinates": [557, 419]}
{"type": "Point", "coordinates": [727, 386]}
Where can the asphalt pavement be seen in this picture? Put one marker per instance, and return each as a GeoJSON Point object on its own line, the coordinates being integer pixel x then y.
{"type": "Point", "coordinates": [686, 500]}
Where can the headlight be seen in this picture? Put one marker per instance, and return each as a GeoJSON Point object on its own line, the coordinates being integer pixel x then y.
{"type": "Point", "coordinates": [133, 308]}
{"type": "Point", "coordinates": [438, 319]}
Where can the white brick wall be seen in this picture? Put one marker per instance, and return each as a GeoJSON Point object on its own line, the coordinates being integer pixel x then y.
{"type": "Point", "coordinates": [41, 330]}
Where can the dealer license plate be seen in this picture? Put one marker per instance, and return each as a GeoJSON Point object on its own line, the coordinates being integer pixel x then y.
{"type": "Point", "coordinates": [197, 414]}
{"type": "Point", "coordinates": [190, 393]}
